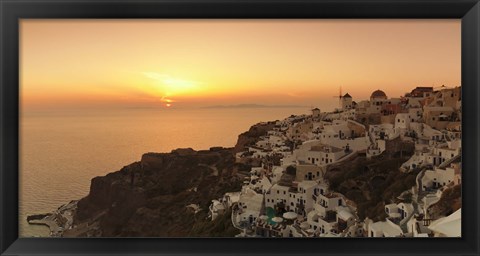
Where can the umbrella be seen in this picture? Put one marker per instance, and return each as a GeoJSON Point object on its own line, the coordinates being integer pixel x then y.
{"type": "Point", "coordinates": [304, 225]}
{"type": "Point", "coordinates": [449, 226]}
{"type": "Point", "coordinates": [277, 219]}
{"type": "Point", "coordinates": [290, 215]}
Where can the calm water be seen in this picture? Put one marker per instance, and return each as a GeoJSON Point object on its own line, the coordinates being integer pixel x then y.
{"type": "Point", "coordinates": [61, 151]}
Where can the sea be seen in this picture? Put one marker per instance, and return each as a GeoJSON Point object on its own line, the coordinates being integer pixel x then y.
{"type": "Point", "coordinates": [62, 150]}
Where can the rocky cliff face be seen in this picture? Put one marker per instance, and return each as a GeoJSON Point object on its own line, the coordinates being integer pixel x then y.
{"type": "Point", "coordinates": [149, 198]}
{"type": "Point", "coordinates": [251, 136]}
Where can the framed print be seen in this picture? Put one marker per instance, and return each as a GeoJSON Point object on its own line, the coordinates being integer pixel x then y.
{"type": "Point", "coordinates": [239, 127]}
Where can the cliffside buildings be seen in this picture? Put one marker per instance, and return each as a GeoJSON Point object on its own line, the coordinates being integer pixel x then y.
{"type": "Point", "coordinates": [291, 198]}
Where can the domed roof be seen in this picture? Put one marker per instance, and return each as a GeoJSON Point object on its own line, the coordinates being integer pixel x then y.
{"type": "Point", "coordinates": [378, 94]}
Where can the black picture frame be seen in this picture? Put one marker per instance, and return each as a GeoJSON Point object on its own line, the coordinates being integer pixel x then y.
{"type": "Point", "coordinates": [13, 10]}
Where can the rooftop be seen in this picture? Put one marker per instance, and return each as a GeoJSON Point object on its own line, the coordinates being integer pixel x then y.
{"type": "Point", "coordinates": [378, 94]}
{"type": "Point", "coordinates": [326, 149]}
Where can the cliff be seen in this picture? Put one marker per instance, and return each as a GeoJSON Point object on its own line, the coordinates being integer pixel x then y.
{"type": "Point", "coordinates": [250, 137]}
{"type": "Point", "coordinates": [149, 198]}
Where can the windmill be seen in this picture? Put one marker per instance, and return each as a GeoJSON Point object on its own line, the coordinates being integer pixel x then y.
{"type": "Point", "coordinates": [339, 97]}
{"type": "Point", "coordinates": [438, 88]}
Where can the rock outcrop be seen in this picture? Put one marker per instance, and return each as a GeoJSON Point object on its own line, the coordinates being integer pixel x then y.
{"type": "Point", "coordinates": [251, 136]}
{"type": "Point", "coordinates": [149, 198]}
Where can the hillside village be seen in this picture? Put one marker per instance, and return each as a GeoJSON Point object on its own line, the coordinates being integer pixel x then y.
{"type": "Point", "coordinates": [382, 167]}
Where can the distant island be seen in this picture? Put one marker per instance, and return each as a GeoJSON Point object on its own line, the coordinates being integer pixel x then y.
{"type": "Point", "coordinates": [255, 106]}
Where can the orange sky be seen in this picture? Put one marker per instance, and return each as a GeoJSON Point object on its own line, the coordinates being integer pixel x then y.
{"type": "Point", "coordinates": [78, 63]}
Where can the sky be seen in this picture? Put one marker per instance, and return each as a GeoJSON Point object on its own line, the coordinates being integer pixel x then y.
{"type": "Point", "coordinates": [194, 63]}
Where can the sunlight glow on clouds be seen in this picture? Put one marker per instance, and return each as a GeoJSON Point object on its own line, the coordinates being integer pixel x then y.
{"type": "Point", "coordinates": [167, 86]}
{"type": "Point", "coordinates": [171, 85]}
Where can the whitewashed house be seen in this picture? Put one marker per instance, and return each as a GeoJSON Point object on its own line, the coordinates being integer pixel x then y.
{"type": "Point", "coordinates": [249, 204]}
{"type": "Point", "coordinates": [278, 195]}
{"type": "Point", "coordinates": [438, 177]}
{"type": "Point", "coordinates": [384, 229]}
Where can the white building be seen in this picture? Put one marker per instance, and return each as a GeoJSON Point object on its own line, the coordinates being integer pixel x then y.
{"type": "Point", "coordinates": [384, 229]}
{"type": "Point", "coordinates": [301, 199]}
{"type": "Point", "coordinates": [250, 204]}
{"type": "Point", "coordinates": [276, 196]}
{"type": "Point", "coordinates": [438, 177]}
{"type": "Point", "coordinates": [399, 211]}
{"type": "Point", "coordinates": [323, 155]}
